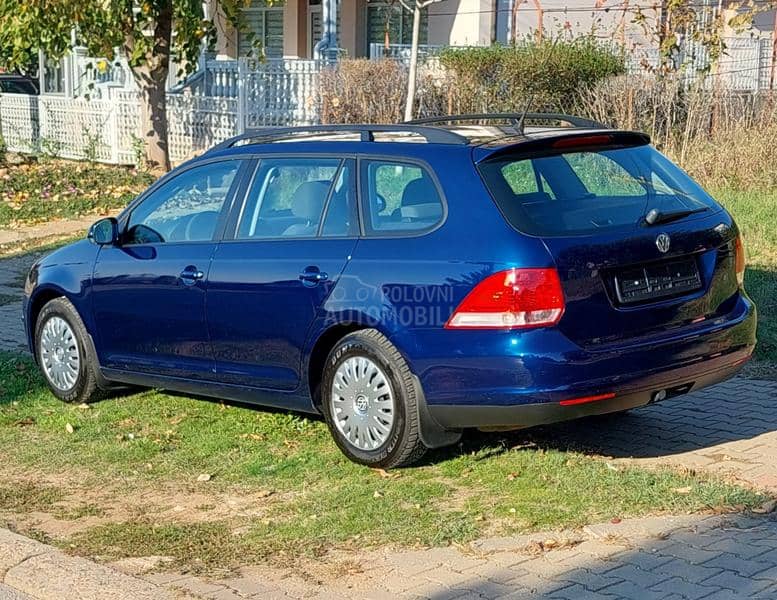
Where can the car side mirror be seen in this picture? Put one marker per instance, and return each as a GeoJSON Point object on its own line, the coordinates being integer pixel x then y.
{"type": "Point", "coordinates": [105, 232]}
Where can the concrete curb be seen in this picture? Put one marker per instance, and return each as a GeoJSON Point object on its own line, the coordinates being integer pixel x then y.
{"type": "Point", "coordinates": [30, 570]}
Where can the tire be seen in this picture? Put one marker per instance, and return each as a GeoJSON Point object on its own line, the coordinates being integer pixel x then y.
{"type": "Point", "coordinates": [60, 335]}
{"type": "Point", "coordinates": [364, 377]}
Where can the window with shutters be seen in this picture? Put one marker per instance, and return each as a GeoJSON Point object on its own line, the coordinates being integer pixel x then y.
{"type": "Point", "coordinates": [266, 25]}
{"type": "Point", "coordinates": [392, 19]}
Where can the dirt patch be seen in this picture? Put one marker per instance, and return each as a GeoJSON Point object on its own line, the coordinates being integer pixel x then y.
{"type": "Point", "coordinates": [64, 504]}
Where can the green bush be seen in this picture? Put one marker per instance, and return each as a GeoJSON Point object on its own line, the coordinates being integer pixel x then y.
{"type": "Point", "coordinates": [502, 78]}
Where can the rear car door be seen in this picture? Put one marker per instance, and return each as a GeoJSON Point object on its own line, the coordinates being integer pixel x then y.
{"type": "Point", "coordinates": [283, 255]}
{"type": "Point", "coordinates": [149, 290]}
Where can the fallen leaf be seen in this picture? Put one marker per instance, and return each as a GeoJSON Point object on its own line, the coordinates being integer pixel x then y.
{"type": "Point", "coordinates": [512, 476]}
{"type": "Point", "coordinates": [69, 428]}
{"type": "Point", "coordinates": [84, 406]}
{"type": "Point", "coordinates": [550, 543]}
{"type": "Point", "coordinates": [480, 518]}
{"type": "Point", "coordinates": [766, 508]}
{"type": "Point", "coordinates": [264, 493]}
{"type": "Point", "coordinates": [615, 520]}
{"type": "Point", "coordinates": [25, 421]}
{"type": "Point", "coordinates": [385, 474]}
{"type": "Point", "coordinates": [682, 490]}
{"type": "Point", "coordinates": [204, 477]}
{"type": "Point", "coordinates": [377, 494]}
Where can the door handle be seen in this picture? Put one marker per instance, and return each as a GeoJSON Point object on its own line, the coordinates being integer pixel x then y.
{"type": "Point", "coordinates": [191, 275]}
{"type": "Point", "coordinates": [312, 276]}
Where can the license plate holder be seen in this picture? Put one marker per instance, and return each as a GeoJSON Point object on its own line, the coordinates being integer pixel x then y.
{"type": "Point", "coordinates": [646, 283]}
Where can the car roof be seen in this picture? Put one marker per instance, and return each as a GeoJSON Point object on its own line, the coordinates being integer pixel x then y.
{"type": "Point", "coordinates": [488, 136]}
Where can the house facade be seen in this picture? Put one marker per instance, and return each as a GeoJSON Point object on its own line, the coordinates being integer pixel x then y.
{"type": "Point", "coordinates": [292, 29]}
{"type": "Point", "coordinates": [360, 27]}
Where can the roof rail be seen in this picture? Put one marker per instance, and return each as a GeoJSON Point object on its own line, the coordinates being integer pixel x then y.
{"type": "Point", "coordinates": [514, 118]}
{"type": "Point", "coordinates": [433, 135]}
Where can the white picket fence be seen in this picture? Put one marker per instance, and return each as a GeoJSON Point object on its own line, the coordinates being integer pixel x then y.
{"type": "Point", "coordinates": [107, 130]}
{"type": "Point", "coordinates": [230, 97]}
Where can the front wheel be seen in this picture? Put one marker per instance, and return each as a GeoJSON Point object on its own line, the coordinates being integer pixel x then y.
{"type": "Point", "coordinates": [370, 402]}
{"type": "Point", "coordinates": [63, 354]}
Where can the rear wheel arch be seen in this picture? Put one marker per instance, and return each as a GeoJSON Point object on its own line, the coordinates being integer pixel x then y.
{"type": "Point", "coordinates": [319, 353]}
{"type": "Point", "coordinates": [433, 435]}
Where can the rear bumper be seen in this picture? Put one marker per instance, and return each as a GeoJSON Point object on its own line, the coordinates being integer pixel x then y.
{"type": "Point", "coordinates": [529, 415]}
{"type": "Point", "coordinates": [493, 379]}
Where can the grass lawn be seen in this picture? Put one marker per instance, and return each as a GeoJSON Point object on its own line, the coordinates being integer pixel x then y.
{"type": "Point", "coordinates": [120, 478]}
{"type": "Point", "coordinates": [756, 214]}
{"type": "Point", "coordinates": [57, 189]}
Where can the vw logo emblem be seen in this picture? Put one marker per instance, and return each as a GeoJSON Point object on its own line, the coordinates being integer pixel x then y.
{"type": "Point", "coordinates": [663, 241]}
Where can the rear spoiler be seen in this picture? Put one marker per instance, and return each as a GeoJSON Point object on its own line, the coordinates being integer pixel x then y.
{"type": "Point", "coordinates": [557, 141]}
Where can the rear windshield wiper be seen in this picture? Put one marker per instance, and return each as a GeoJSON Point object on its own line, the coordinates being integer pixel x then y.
{"type": "Point", "coordinates": [656, 217]}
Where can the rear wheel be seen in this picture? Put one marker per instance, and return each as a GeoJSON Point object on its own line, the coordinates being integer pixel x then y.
{"type": "Point", "coordinates": [370, 401]}
{"type": "Point", "coordinates": [63, 354]}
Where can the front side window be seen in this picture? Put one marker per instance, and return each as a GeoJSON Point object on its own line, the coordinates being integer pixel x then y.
{"type": "Point", "coordinates": [184, 209]}
{"type": "Point", "coordinates": [578, 192]}
{"type": "Point", "coordinates": [400, 197]}
{"type": "Point", "coordinates": [288, 198]}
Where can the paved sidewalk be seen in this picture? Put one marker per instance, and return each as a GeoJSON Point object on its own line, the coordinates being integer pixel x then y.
{"type": "Point", "coordinates": [12, 274]}
{"type": "Point", "coordinates": [714, 558]}
{"type": "Point", "coordinates": [46, 230]}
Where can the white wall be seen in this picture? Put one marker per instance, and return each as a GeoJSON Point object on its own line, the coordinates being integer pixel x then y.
{"type": "Point", "coordinates": [462, 22]}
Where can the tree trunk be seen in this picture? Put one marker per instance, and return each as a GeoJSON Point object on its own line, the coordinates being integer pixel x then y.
{"type": "Point", "coordinates": [413, 70]}
{"type": "Point", "coordinates": [151, 77]}
{"type": "Point", "coordinates": [153, 116]}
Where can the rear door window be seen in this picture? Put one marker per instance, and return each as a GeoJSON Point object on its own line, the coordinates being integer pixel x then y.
{"type": "Point", "coordinates": [288, 198]}
{"type": "Point", "coordinates": [400, 197]}
{"type": "Point", "coordinates": [589, 191]}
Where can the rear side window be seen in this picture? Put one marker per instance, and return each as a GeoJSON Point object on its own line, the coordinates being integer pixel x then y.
{"type": "Point", "coordinates": [589, 191]}
{"type": "Point", "coordinates": [288, 198]}
{"type": "Point", "coordinates": [399, 197]}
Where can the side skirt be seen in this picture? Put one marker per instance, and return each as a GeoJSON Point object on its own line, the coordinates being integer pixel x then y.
{"type": "Point", "coordinates": [225, 391]}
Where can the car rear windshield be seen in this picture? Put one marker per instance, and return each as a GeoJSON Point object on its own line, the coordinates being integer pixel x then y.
{"type": "Point", "coordinates": [590, 190]}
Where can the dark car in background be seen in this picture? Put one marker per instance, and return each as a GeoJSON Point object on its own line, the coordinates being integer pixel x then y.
{"type": "Point", "coordinates": [406, 281]}
{"type": "Point", "coordinates": [14, 83]}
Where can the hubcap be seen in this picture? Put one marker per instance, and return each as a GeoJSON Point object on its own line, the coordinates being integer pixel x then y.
{"type": "Point", "coordinates": [59, 354]}
{"type": "Point", "coordinates": [362, 403]}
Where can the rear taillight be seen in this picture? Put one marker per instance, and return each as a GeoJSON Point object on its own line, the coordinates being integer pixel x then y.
{"type": "Point", "coordinates": [516, 298]}
{"type": "Point", "coordinates": [740, 260]}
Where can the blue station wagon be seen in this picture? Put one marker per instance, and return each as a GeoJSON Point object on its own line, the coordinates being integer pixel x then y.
{"type": "Point", "coordinates": [406, 281]}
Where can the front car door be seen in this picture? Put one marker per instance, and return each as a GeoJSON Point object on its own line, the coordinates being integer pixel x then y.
{"type": "Point", "coordinates": [149, 290]}
{"type": "Point", "coordinates": [290, 242]}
